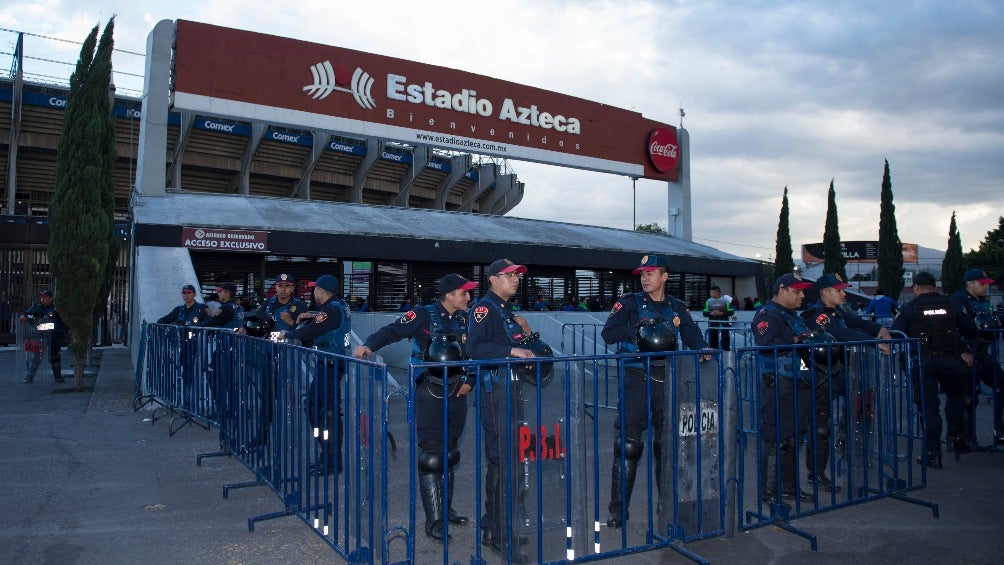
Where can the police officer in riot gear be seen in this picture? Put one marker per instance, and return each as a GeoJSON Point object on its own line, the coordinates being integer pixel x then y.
{"type": "Point", "coordinates": [430, 325]}
{"type": "Point", "coordinates": [230, 316]}
{"type": "Point", "coordinates": [637, 322]}
{"type": "Point", "coordinates": [328, 329]}
{"type": "Point", "coordinates": [829, 315]}
{"type": "Point", "coordinates": [493, 333]}
{"type": "Point", "coordinates": [280, 313]}
{"type": "Point", "coordinates": [189, 313]}
{"type": "Point", "coordinates": [974, 302]}
{"type": "Point", "coordinates": [938, 322]}
{"type": "Point", "coordinates": [44, 314]}
{"type": "Point", "coordinates": [785, 387]}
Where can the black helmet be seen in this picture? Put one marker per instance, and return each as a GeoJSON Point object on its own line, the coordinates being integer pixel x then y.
{"type": "Point", "coordinates": [443, 348]}
{"type": "Point", "coordinates": [527, 372]}
{"type": "Point", "coordinates": [986, 321]}
{"type": "Point", "coordinates": [656, 334]}
{"type": "Point", "coordinates": [258, 326]}
{"type": "Point", "coordinates": [825, 352]}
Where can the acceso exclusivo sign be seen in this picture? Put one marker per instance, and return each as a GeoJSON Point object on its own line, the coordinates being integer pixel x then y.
{"type": "Point", "coordinates": [216, 239]}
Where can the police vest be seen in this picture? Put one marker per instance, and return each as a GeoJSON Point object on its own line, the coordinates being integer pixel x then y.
{"type": "Point", "coordinates": [783, 364]}
{"type": "Point", "coordinates": [274, 311]}
{"type": "Point", "coordinates": [665, 311]}
{"type": "Point", "coordinates": [457, 327]}
{"type": "Point", "coordinates": [336, 340]}
{"type": "Point", "coordinates": [185, 316]}
{"type": "Point", "coordinates": [934, 324]}
{"type": "Point", "coordinates": [238, 319]}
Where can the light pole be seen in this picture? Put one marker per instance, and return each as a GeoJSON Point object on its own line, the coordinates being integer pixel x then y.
{"type": "Point", "coordinates": [634, 203]}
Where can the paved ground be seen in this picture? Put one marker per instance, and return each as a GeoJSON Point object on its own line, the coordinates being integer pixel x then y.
{"type": "Point", "coordinates": [88, 480]}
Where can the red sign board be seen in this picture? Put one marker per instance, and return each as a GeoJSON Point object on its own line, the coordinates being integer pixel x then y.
{"type": "Point", "coordinates": [240, 74]}
{"type": "Point", "coordinates": [664, 149]}
{"type": "Point", "coordinates": [215, 239]}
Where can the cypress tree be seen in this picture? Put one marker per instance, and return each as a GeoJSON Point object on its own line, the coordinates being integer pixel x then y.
{"type": "Point", "coordinates": [833, 256]}
{"type": "Point", "coordinates": [953, 266]}
{"type": "Point", "coordinates": [890, 248]}
{"type": "Point", "coordinates": [783, 262]}
{"type": "Point", "coordinates": [79, 214]}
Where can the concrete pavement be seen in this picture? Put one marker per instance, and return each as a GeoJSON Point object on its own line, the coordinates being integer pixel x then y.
{"type": "Point", "coordinates": [88, 480]}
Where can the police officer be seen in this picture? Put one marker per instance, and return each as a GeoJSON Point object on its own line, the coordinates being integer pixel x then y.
{"type": "Point", "coordinates": [974, 302]}
{"type": "Point", "coordinates": [621, 328]}
{"type": "Point", "coordinates": [444, 318]}
{"type": "Point", "coordinates": [494, 332]}
{"type": "Point", "coordinates": [328, 329]}
{"type": "Point", "coordinates": [829, 315]}
{"type": "Point", "coordinates": [938, 322]}
{"type": "Point", "coordinates": [188, 313]}
{"type": "Point", "coordinates": [230, 316]}
{"type": "Point", "coordinates": [281, 310]}
{"type": "Point", "coordinates": [785, 387]}
{"type": "Point", "coordinates": [718, 311]}
{"type": "Point", "coordinates": [44, 313]}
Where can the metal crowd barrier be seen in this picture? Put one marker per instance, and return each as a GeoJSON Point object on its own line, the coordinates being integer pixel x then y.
{"type": "Point", "coordinates": [284, 411]}
{"type": "Point", "coordinates": [585, 339]}
{"type": "Point", "coordinates": [308, 424]}
{"type": "Point", "coordinates": [987, 381]}
{"type": "Point", "coordinates": [861, 426]}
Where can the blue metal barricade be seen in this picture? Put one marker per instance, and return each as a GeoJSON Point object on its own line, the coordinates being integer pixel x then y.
{"type": "Point", "coordinates": [585, 339]}
{"type": "Point", "coordinates": [986, 392]}
{"type": "Point", "coordinates": [829, 426]}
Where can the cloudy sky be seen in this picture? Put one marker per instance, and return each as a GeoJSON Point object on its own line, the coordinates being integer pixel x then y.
{"type": "Point", "coordinates": [776, 94]}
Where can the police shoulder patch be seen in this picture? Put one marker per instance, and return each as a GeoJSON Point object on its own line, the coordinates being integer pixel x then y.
{"type": "Point", "coordinates": [321, 316]}
{"type": "Point", "coordinates": [763, 326]}
{"type": "Point", "coordinates": [480, 312]}
{"type": "Point", "coordinates": [408, 317]}
{"type": "Point", "coordinates": [617, 307]}
{"type": "Point", "coordinates": [822, 319]}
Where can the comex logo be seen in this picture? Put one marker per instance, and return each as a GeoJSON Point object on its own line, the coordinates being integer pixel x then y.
{"type": "Point", "coordinates": [325, 83]}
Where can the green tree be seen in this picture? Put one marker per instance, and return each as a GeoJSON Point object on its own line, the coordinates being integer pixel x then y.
{"type": "Point", "coordinates": [783, 262]}
{"type": "Point", "coordinates": [79, 219]}
{"type": "Point", "coordinates": [990, 255]}
{"type": "Point", "coordinates": [890, 248]}
{"type": "Point", "coordinates": [953, 266]}
{"type": "Point", "coordinates": [833, 256]}
{"type": "Point", "coordinates": [650, 228]}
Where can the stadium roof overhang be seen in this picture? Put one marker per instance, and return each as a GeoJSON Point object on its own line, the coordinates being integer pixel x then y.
{"type": "Point", "coordinates": [364, 232]}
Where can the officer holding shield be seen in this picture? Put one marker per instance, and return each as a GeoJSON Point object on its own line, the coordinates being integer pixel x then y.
{"type": "Point", "coordinates": [427, 325]}
{"type": "Point", "coordinates": [628, 318]}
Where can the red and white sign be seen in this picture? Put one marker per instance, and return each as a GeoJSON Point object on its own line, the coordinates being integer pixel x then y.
{"type": "Point", "coordinates": [664, 149]}
{"type": "Point", "coordinates": [215, 239]}
{"type": "Point", "coordinates": [240, 74]}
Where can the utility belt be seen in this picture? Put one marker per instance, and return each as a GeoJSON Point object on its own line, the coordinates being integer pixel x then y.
{"type": "Point", "coordinates": [769, 380]}
{"type": "Point", "coordinates": [495, 376]}
{"type": "Point", "coordinates": [439, 382]}
{"type": "Point", "coordinates": [653, 374]}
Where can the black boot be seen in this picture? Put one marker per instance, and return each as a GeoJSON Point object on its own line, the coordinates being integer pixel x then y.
{"type": "Point", "coordinates": [621, 499]}
{"type": "Point", "coordinates": [789, 482]}
{"type": "Point", "coordinates": [933, 458]}
{"type": "Point", "coordinates": [452, 516]}
{"type": "Point", "coordinates": [820, 455]}
{"type": "Point", "coordinates": [431, 487]}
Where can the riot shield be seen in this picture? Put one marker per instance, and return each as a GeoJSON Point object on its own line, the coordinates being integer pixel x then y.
{"type": "Point", "coordinates": [543, 511]}
{"type": "Point", "coordinates": [36, 338]}
{"type": "Point", "coordinates": [691, 489]}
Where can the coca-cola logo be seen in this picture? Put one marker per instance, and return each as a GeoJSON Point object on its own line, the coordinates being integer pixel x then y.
{"type": "Point", "coordinates": [664, 149]}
